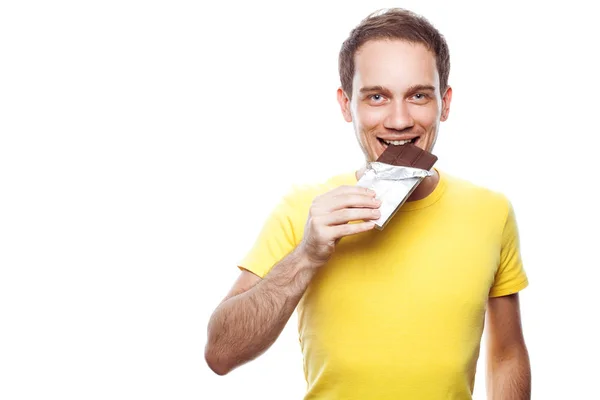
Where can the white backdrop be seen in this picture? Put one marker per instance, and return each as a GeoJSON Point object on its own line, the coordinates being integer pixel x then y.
{"type": "Point", "coordinates": [143, 144]}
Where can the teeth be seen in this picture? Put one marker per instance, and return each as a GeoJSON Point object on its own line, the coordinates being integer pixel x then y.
{"type": "Point", "coordinates": [397, 142]}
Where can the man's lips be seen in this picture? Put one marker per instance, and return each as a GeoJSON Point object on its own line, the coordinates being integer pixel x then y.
{"type": "Point", "coordinates": [398, 140]}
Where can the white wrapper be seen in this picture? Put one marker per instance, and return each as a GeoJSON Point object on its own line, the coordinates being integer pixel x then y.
{"type": "Point", "coordinates": [392, 185]}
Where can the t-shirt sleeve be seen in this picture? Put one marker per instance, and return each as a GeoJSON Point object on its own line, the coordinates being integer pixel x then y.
{"type": "Point", "coordinates": [510, 276]}
{"type": "Point", "coordinates": [275, 240]}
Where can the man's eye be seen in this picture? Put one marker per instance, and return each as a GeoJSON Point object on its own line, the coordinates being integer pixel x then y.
{"type": "Point", "coordinates": [377, 97]}
{"type": "Point", "coordinates": [420, 96]}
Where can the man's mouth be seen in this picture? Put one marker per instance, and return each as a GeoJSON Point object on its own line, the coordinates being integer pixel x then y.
{"type": "Point", "coordinates": [386, 143]}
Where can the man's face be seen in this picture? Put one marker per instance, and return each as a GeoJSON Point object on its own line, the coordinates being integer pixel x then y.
{"type": "Point", "coordinates": [395, 97]}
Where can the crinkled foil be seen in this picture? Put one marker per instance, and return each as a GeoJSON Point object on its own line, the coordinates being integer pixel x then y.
{"type": "Point", "coordinates": [392, 185]}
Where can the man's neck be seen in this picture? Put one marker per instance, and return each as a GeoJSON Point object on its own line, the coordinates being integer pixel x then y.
{"type": "Point", "coordinates": [425, 188]}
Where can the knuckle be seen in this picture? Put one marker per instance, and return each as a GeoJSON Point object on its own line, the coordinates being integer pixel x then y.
{"type": "Point", "coordinates": [317, 223]}
{"type": "Point", "coordinates": [346, 229]}
{"type": "Point", "coordinates": [314, 223]}
{"type": "Point", "coordinates": [369, 201]}
{"type": "Point", "coordinates": [346, 214]}
{"type": "Point", "coordinates": [359, 199]}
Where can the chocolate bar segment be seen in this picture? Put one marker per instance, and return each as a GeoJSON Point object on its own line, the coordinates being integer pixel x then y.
{"type": "Point", "coordinates": [408, 155]}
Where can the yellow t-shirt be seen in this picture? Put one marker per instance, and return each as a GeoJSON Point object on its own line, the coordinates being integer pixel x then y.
{"type": "Point", "coordinates": [399, 313]}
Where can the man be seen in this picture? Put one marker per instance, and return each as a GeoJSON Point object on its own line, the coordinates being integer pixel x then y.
{"type": "Point", "coordinates": [398, 313]}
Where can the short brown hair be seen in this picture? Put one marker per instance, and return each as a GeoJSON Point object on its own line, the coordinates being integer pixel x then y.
{"type": "Point", "coordinates": [399, 24]}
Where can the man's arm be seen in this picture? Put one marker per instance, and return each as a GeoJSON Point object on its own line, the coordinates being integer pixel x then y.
{"type": "Point", "coordinates": [255, 312]}
{"type": "Point", "coordinates": [246, 324]}
{"type": "Point", "coordinates": [508, 369]}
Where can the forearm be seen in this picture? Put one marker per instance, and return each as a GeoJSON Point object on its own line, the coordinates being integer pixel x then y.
{"type": "Point", "coordinates": [246, 325]}
{"type": "Point", "coordinates": [509, 377]}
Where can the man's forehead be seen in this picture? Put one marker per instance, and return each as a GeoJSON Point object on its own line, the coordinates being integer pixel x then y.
{"type": "Point", "coordinates": [392, 47]}
{"type": "Point", "coordinates": [394, 63]}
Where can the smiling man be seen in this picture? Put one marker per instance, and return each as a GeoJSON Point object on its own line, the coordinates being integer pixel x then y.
{"type": "Point", "coordinates": [398, 313]}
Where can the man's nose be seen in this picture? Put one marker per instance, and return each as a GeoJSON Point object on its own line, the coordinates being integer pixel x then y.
{"type": "Point", "coordinates": [399, 117]}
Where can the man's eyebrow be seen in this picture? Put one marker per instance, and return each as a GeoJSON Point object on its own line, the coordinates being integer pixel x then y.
{"type": "Point", "coordinates": [421, 88]}
{"type": "Point", "coordinates": [411, 90]}
{"type": "Point", "coordinates": [377, 88]}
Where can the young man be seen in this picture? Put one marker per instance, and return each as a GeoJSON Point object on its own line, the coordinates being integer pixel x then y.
{"type": "Point", "coordinates": [398, 313]}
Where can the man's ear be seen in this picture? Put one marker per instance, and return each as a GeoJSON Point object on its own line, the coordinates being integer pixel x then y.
{"type": "Point", "coordinates": [344, 104]}
{"type": "Point", "coordinates": [446, 100]}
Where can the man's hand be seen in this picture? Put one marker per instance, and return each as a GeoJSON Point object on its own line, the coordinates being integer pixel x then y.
{"type": "Point", "coordinates": [329, 217]}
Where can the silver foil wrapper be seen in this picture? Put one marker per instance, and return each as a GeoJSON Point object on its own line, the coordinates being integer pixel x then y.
{"type": "Point", "coordinates": [392, 185]}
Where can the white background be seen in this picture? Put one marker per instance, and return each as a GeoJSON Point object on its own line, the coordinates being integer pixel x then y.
{"type": "Point", "coordinates": [143, 144]}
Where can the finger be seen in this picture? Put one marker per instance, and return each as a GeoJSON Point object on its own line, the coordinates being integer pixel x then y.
{"type": "Point", "coordinates": [350, 189]}
{"type": "Point", "coordinates": [352, 229]}
{"type": "Point", "coordinates": [349, 201]}
{"type": "Point", "coordinates": [350, 214]}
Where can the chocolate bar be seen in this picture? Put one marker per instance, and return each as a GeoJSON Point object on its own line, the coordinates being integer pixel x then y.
{"type": "Point", "coordinates": [408, 155]}
{"type": "Point", "coordinates": [395, 175]}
